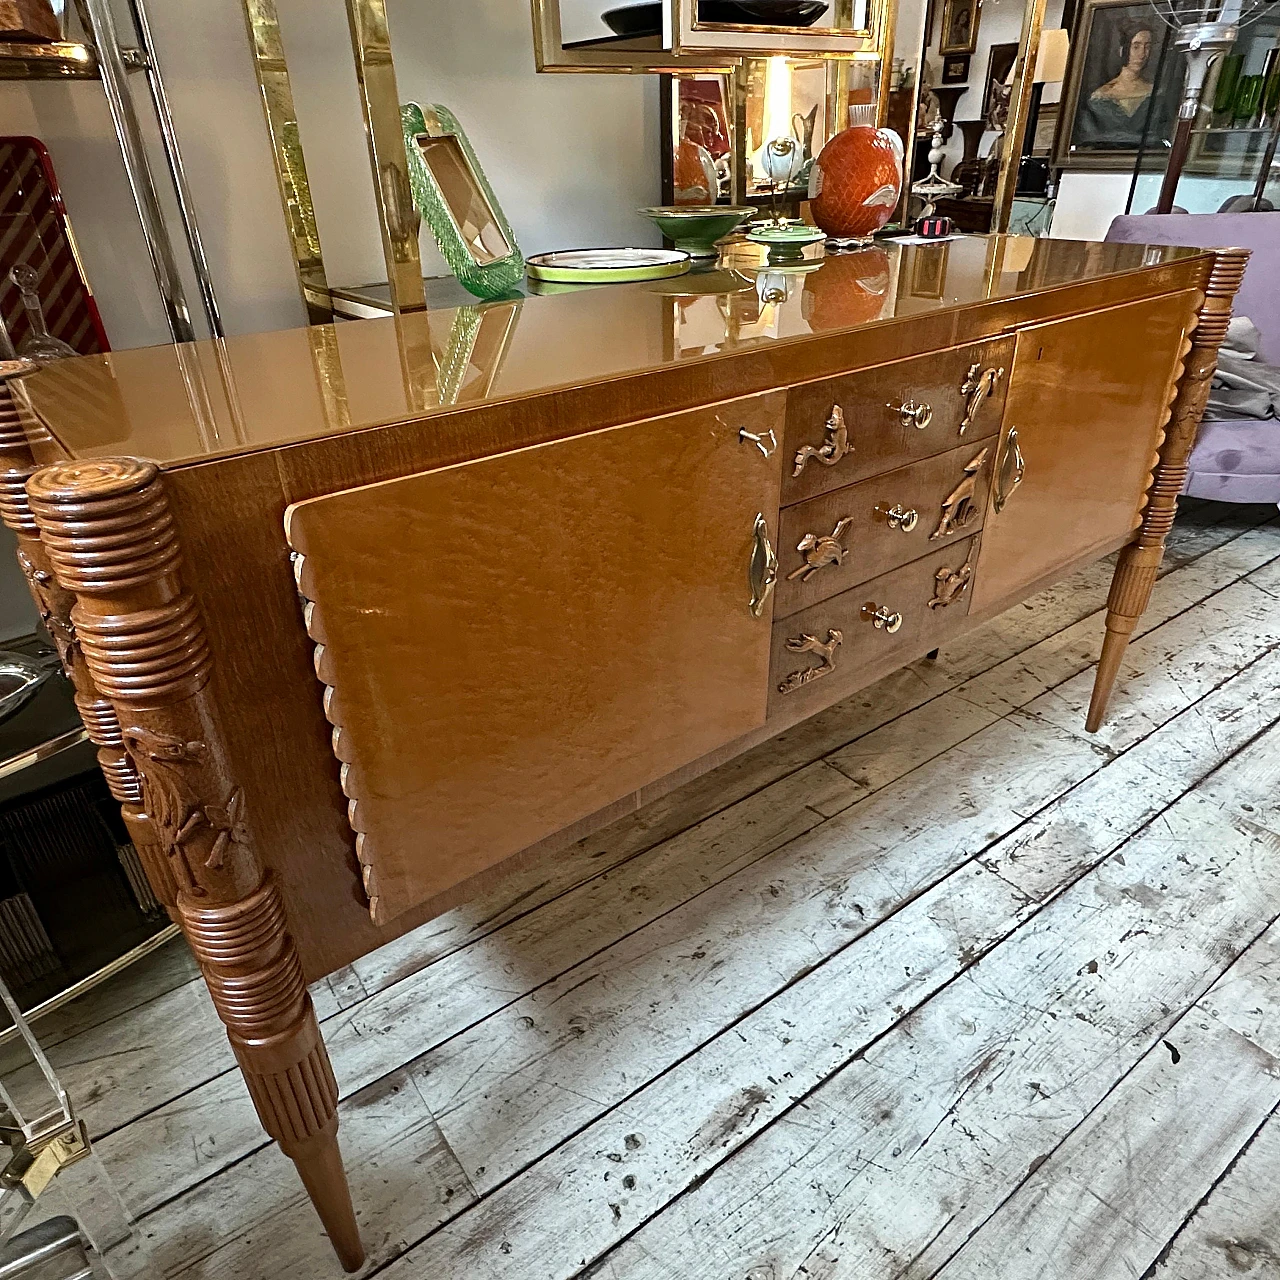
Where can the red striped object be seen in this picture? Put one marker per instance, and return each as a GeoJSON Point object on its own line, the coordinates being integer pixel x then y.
{"type": "Point", "coordinates": [34, 230]}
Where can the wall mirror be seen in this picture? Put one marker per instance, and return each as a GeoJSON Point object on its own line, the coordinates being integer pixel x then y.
{"type": "Point", "coordinates": [693, 35]}
{"type": "Point", "coordinates": [982, 67]}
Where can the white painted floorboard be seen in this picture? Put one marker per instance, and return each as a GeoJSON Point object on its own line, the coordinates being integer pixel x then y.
{"type": "Point", "coordinates": [935, 984]}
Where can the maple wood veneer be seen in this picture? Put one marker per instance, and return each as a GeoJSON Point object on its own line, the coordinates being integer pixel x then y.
{"type": "Point", "coordinates": [552, 557]}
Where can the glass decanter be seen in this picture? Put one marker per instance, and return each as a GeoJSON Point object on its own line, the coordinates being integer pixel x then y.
{"type": "Point", "coordinates": [39, 345]}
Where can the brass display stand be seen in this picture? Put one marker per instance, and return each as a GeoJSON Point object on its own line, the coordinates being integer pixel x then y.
{"type": "Point", "coordinates": [688, 47]}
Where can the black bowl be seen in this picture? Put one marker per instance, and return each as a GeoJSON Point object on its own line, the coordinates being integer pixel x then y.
{"type": "Point", "coordinates": [763, 13]}
{"type": "Point", "coordinates": [637, 20]}
{"type": "Point", "coordinates": [634, 20]}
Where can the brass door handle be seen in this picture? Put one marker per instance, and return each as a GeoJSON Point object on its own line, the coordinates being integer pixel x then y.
{"type": "Point", "coordinates": [896, 518]}
{"type": "Point", "coordinates": [1011, 473]}
{"type": "Point", "coordinates": [881, 618]}
{"type": "Point", "coordinates": [911, 414]}
{"type": "Point", "coordinates": [979, 386]}
{"type": "Point", "coordinates": [764, 568]}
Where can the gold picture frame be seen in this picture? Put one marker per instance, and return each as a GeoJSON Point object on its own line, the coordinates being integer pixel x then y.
{"type": "Point", "coordinates": [960, 20]}
{"type": "Point", "coordinates": [1094, 61]}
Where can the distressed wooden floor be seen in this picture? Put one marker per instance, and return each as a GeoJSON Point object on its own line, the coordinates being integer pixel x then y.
{"type": "Point", "coordinates": [933, 985]}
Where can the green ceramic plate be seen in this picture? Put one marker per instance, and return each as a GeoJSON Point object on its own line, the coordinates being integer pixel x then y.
{"type": "Point", "coordinates": [608, 266]}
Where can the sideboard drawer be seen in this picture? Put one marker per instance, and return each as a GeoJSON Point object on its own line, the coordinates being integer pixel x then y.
{"type": "Point", "coordinates": [828, 649]}
{"type": "Point", "coordinates": [846, 429]}
{"type": "Point", "coordinates": [829, 544]}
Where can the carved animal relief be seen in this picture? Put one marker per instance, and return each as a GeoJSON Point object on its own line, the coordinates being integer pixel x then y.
{"type": "Point", "coordinates": [819, 552]}
{"type": "Point", "coordinates": [951, 585]}
{"type": "Point", "coordinates": [811, 644]}
{"type": "Point", "coordinates": [835, 447]}
{"type": "Point", "coordinates": [60, 629]}
{"type": "Point", "coordinates": [979, 385]}
{"type": "Point", "coordinates": [163, 762]}
{"type": "Point", "coordinates": [959, 511]}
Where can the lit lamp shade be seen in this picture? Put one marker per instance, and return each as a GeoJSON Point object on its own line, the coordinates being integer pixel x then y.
{"type": "Point", "coordinates": [1051, 61]}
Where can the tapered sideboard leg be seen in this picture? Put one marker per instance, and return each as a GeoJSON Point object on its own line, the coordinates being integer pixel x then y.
{"type": "Point", "coordinates": [110, 541]}
{"type": "Point", "coordinates": [1140, 561]}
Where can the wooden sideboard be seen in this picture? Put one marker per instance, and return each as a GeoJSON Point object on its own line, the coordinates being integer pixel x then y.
{"type": "Point", "coordinates": [360, 616]}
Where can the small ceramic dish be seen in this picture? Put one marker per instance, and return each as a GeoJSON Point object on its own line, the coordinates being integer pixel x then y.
{"type": "Point", "coordinates": [695, 228]}
{"type": "Point", "coordinates": [607, 266]}
{"type": "Point", "coordinates": [785, 241]}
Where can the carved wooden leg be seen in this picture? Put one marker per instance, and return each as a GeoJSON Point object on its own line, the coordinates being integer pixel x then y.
{"type": "Point", "coordinates": [17, 465]}
{"type": "Point", "coordinates": [109, 537]}
{"type": "Point", "coordinates": [1140, 560]}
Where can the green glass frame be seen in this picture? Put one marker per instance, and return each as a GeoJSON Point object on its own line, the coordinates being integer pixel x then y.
{"type": "Point", "coordinates": [453, 195]}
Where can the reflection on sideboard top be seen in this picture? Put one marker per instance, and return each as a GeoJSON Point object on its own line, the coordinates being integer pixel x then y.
{"type": "Point", "coordinates": [182, 404]}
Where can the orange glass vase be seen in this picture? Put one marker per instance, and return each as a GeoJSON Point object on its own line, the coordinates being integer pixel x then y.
{"type": "Point", "coordinates": [856, 181]}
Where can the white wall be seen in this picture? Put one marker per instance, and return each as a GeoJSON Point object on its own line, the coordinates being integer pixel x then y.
{"type": "Point", "coordinates": [1086, 204]}
{"type": "Point", "coordinates": [571, 157]}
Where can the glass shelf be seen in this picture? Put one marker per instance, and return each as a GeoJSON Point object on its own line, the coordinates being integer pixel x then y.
{"type": "Point", "coordinates": [65, 60]}
{"type": "Point", "coordinates": [1226, 129]}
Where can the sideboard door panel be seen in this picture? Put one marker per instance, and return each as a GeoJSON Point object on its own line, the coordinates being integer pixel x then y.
{"type": "Point", "coordinates": [1088, 400]}
{"type": "Point", "coordinates": [516, 643]}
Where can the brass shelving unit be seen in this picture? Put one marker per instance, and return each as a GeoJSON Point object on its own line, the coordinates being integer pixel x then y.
{"type": "Point", "coordinates": [701, 48]}
{"type": "Point", "coordinates": [101, 56]}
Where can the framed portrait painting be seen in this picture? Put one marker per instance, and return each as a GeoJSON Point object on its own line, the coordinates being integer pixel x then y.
{"type": "Point", "coordinates": [1122, 86]}
{"type": "Point", "coordinates": [960, 20]}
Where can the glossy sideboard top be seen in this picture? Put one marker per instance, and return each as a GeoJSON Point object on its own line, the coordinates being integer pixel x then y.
{"type": "Point", "coordinates": [182, 404]}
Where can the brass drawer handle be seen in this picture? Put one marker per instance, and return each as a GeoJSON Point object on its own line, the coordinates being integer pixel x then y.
{"type": "Point", "coordinates": [896, 518]}
{"type": "Point", "coordinates": [764, 568]}
{"type": "Point", "coordinates": [1012, 472]}
{"type": "Point", "coordinates": [825, 652]}
{"type": "Point", "coordinates": [820, 551]}
{"type": "Point", "coordinates": [951, 584]}
{"type": "Point", "coordinates": [979, 386]}
{"type": "Point", "coordinates": [911, 414]}
{"type": "Point", "coordinates": [766, 443]}
{"type": "Point", "coordinates": [835, 447]}
{"type": "Point", "coordinates": [881, 618]}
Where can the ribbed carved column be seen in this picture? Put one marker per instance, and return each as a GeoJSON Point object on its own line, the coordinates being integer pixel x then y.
{"type": "Point", "coordinates": [1140, 561]}
{"type": "Point", "coordinates": [110, 539]}
{"type": "Point", "coordinates": [17, 465]}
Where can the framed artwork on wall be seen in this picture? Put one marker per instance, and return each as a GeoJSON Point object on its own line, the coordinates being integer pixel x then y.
{"type": "Point", "coordinates": [1046, 128]}
{"type": "Point", "coordinates": [955, 69]}
{"type": "Point", "coordinates": [1003, 56]}
{"type": "Point", "coordinates": [1116, 90]}
{"type": "Point", "coordinates": [960, 20]}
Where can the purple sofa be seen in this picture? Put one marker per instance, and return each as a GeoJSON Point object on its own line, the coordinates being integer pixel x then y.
{"type": "Point", "coordinates": [1236, 459]}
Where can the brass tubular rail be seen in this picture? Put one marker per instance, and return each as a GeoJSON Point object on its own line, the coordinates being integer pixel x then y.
{"type": "Point", "coordinates": [380, 100]}
{"type": "Point", "coordinates": [272, 73]}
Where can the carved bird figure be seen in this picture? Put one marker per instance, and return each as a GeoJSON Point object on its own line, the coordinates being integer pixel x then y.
{"type": "Point", "coordinates": [819, 551]}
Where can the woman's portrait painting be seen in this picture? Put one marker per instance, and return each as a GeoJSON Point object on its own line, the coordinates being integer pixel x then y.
{"type": "Point", "coordinates": [960, 20]}
{"type": "Point", "coordinates": [1120, 57]}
